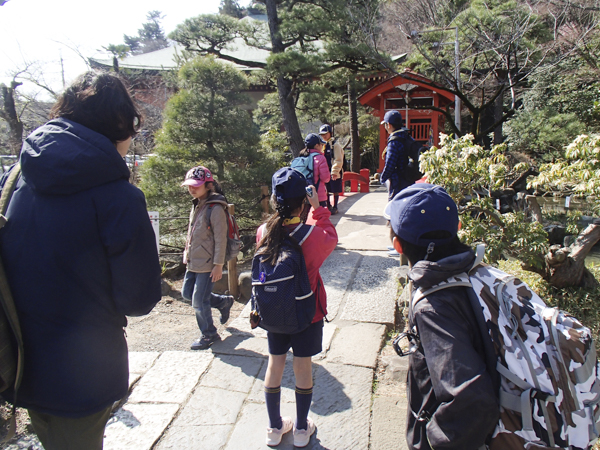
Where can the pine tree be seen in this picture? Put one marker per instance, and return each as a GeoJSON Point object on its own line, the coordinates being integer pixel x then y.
{"type": "Point", "coordinates": [207, 123]}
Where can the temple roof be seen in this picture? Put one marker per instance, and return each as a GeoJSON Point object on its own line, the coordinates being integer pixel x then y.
{"type": "Point", "coordinates": [166, 58]}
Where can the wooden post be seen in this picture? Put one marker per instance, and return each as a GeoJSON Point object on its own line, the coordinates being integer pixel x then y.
{"type": "Point", "coordinates": [232, 276]}
{"type": "Point", "coordinates": [264, 190]}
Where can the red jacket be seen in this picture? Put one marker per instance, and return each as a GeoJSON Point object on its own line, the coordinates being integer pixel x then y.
{"type": "Point", "coordinates": [318, 246]}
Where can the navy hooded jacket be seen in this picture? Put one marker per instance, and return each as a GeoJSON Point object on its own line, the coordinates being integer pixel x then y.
{"type": "Point", "coordinates": [80, 254]}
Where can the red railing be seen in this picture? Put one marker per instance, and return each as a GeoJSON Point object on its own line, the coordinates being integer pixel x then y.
{"type": "Point", "coordinates": [420, 131]}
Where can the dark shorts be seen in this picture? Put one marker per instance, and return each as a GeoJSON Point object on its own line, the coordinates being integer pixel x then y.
{"type": "Point", "coordinates": [335, 186]}
{"type": "Point", "coordinates": [306, 343]}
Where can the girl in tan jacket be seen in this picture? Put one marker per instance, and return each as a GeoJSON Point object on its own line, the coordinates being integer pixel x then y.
{"type": "Point", "coordinates": [205, 254]}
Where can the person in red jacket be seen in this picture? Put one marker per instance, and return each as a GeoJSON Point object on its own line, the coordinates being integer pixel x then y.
{"type": "Point", "coordinates": [289, 195]}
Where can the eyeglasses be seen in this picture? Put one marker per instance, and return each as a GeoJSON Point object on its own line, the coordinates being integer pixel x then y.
{"type": "Point", "coordinates": [406, 344]}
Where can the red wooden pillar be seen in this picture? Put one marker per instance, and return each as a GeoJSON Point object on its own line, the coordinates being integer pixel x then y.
{"type": "Point", "coordinates": [382, 134]}
{"type": "Point", "coordinates": [435, 120]}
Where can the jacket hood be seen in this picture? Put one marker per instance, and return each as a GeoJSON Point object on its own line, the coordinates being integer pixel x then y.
{"type": "Point", "coordinates": [426, 274]}
{"type": "Point", "coordinates": [63, 157]}
{"type": "Point", "coordinates": [212, 198]}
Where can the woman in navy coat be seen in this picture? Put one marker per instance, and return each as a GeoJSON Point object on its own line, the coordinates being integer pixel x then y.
{"type": "Point", "coordinates": [80, 255]}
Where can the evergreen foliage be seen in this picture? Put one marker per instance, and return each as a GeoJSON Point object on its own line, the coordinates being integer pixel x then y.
{"type": "Point", "coordinates": [305, 40]}
{"type": "Point", "coordinates": [150, 37]}
{"type": "Point", "coordinates": [231, 8]}
{"type": "Point", "coordinates": [559, 106]}
{"type": "Point", "coordinates": [502, 45]}
{"type": "Point", "coordinates": [207, 123]}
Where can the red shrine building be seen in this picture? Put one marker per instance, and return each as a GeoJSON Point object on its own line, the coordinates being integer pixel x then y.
{"type": "Point", "coordinates": [412, 98]}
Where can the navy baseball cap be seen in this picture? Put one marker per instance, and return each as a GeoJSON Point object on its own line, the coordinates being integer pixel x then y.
{"type": "Point", "coordinates": [420, 209]}
{"type": "Point", "coordinates": [394, 118]}
{"type": "Point", "coordinates": [313, 139]}
{"type": "Point", "coordinates": [325, 129]}
{"type": "Point", "coordinates": [288, 183]}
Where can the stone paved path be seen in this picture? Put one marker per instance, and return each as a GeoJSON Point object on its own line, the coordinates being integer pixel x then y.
{"type": "Point", "coordinates": [214, 399]}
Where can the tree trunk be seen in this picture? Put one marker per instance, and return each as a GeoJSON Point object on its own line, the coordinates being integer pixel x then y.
{"type": "Point", "coordinates": [9, 114]}
{"type": "Point", "coordinates": [565, 266]}
{"type": "Point", "coordinates": [498, 112]}
{"type": "Point", "coordinates": [284, 85]}
{"type": "Point", "coordinates": [288, 111]}
{"type": "Point", "coordinates": [352, 111]}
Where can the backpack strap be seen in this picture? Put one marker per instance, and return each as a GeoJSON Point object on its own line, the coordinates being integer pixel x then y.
{"type": "Point", "coordinates": [479, 255]}
{"type": "Point", "coordinates": [6, 299]}
{"type": "Point", "coordinates": [208, 209]}
{"type": "Point", "coordinates": [207, 212]}
{"type": "Point", "coordinates": [7, 191]}
{"type": "Point", "coordinates": [313, 171]}
{"type": "Point", "coordinates": [301, 232]}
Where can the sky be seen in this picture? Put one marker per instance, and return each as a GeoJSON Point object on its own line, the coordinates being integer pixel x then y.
{"type": "Point", "coordinates": [40, 32]}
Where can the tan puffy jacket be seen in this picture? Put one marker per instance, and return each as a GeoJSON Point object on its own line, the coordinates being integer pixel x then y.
{"type": "Point", "coordinates": [206, 243]}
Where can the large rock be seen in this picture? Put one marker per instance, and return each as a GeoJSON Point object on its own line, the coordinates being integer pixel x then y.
{"type": "Point", "coordinates": [245, 286]}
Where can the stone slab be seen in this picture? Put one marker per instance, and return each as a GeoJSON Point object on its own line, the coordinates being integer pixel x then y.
{"type": "Point", "coordinates": [138, 426]}
{"type": "Point", "coordinates": [329, 330]}
{"type": "Point", "coordinates": [374, 291]}
{"type": "Point", "coordinates": [210, 406]}
{"type": "Point", "coordinates": [288, 383]}
{"type": "Point", "coordinates": [338, 272]}
{"type": "Point", "coordinates": [233, 373]}
{"type": "Point", "coordinates": [250, 429]}
{"type": "Point", "coordinates": [208, 437]}
{"type": "Point", "coordinates": [171, 378]}
{"type": "Point", "coordinates": [134, 378]}
{"type": "Point", "coordinates": [241, 324]}
{"type": "Point", "coordinates": [241, 344]}
{"type": "Point", "coordinates": [363, 226]}
{"type": "Point", "coordinates": [388, 427]}
{"type": "Point", "coordinates": [357, 344]}
{"type": "Point", "coordinates": [140, 362]}
{"type": "Point", "coordinates": [340, 408]}
{"type": "Point", "coordinates": [396, 367]}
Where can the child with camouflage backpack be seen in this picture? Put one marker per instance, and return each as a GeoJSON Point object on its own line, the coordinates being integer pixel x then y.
{"type": "Point", "coordinates": [491, 366]}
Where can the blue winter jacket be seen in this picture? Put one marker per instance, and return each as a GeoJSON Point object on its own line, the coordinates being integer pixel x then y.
{"type": "Point", "coordinates": [80, 255]}
{"type": "Point", "coordinates": [396, 159]}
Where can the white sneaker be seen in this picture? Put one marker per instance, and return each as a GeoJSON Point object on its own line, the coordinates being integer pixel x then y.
{"type": "Point", "coordinates": [302, 437]}
{"type": "Point", "coordinates": [274, 435]}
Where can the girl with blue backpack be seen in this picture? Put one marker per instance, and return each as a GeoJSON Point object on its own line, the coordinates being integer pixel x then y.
{"type": "Point", "coordinates": [290, 193]}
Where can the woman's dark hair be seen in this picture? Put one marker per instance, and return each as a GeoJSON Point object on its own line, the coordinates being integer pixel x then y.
{"type": "Point", "coordinates": [270, 244]}
{"type": "Point", "coordinates": [215, 187]}
{"type": "Point", "coordinates": [416, 253]}
{"type": "Point", "coordinates": [304, 152]}
{"type": "Point", "coordinates": [100, 102]}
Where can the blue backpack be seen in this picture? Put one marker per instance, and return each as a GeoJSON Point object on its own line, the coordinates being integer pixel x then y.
{"type": "Point", "coordinates": [281, 293]}
{"type": "Point", "coordinates": [305, 165]}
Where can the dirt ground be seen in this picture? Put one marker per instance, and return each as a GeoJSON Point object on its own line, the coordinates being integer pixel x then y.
{"type": "Point", "coordinates": [171, 326]}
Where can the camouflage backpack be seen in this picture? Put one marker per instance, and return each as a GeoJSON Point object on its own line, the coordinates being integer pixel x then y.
{"type": "Point", "coordinates": [549, 387]}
